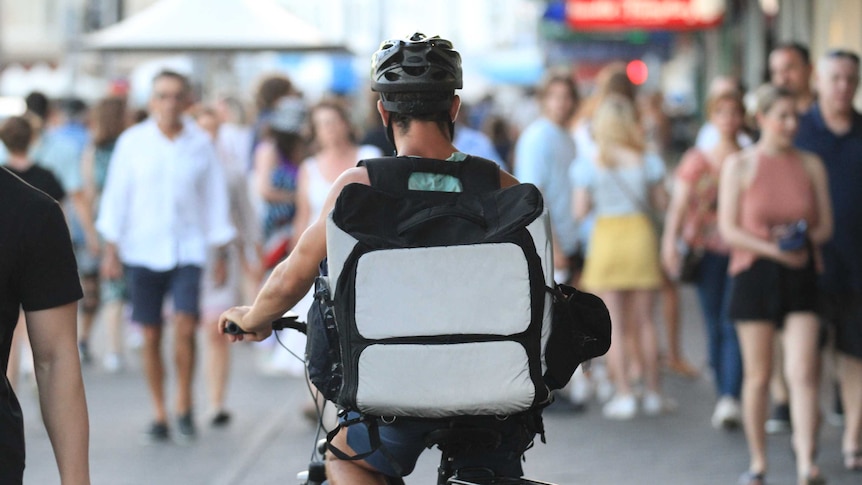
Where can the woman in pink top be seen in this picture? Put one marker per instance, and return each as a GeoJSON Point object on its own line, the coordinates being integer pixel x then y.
{"type": "Point", "coordinates": [692, 217]}
{"type": "Point", "coordinates": [774, 212]}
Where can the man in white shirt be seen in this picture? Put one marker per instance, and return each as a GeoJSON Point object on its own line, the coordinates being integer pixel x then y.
{"type": "Point", "coordinates": [165, 202]}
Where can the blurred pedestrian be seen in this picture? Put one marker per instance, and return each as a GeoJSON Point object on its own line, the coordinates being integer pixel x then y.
{"type": "Point", "coordinates": [832, 129]}
{"type": "Point", "coordinates": [693, 218]}
{"type": "Point", "coordinates": [543, 154]}
{"type": "Point", "coordinates": [38, 274]}
{"type": "Point", "coordinates": [335, 149]}
{"type": "Point", "coordinates": [790, 68]}
{"type": "Point", "coordinates": [276, 171]}
{"type": "Point", "coordinates": [270, 91]}
{"type": "Point", "coordinates": [107, 122]}
{"type": "Point", "coordinates": [165, 203]}
{"type": "Point", "coordinates": [707, 135]}
{"type": "Point", "coordinates": [774, 212]}
{"type": "Point", "coordinates": [242, 253]}
{"type": "Point", "coordinates": [623, 186]}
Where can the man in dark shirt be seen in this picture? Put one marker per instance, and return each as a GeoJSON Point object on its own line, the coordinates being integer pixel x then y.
{"type": "Point", "coordinates": [833, 130]}
{"type": "Point", "coordinates": [38, 274]}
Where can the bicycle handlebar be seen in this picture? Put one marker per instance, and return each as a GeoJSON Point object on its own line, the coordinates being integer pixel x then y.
{"type": "Point", "coordinates": [291, 322]}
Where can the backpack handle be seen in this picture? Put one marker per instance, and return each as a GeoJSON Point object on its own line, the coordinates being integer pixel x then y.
{"type": "Point", "coordinates": [440, 212]}
{"type": "Point", "coordinates": [392, 174]}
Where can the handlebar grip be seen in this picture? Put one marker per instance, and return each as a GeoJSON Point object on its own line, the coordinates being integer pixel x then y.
{"type": "Point", "coordinates": [233, 329]}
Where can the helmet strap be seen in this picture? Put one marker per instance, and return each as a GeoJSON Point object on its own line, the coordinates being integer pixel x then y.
{"type": "Point", "coordinates": [391, 136]}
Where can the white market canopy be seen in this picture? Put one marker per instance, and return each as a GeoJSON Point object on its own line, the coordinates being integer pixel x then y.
{"type": "Point", "coordinates": [211, 26]}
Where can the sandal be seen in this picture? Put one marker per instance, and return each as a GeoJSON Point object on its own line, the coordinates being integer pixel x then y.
{"type": "Point", "coordinates": [752, 478]}
{"type": "Point", "coordinates": [853, 460]}
{"type": "Point", "coordinates": [682, 368]}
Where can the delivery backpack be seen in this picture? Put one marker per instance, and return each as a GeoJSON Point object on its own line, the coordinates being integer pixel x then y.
{"type": "Point", "coordinates": [443, 304]}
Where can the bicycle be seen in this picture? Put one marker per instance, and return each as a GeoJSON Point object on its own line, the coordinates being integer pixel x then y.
{"type": "Point", "coordinates": [451, 441]}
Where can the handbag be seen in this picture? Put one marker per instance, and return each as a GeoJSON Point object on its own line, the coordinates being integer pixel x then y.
{"type": "Point", "coordinates": [690, 261]}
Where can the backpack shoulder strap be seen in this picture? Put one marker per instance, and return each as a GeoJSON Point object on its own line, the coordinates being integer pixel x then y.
{"type": "Point", "coordinates": [391, 174]}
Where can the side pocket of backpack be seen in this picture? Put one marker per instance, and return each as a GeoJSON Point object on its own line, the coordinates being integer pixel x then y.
{"type": "Point", "coordinates": [322, 349]}
{"type": "Point", "coordinates": [580, 331]}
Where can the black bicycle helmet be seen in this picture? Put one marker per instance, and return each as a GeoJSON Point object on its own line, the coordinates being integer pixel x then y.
{"type": "Point", "coordinates": [417, 64]}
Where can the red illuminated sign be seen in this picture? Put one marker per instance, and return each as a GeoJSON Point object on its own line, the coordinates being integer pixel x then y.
{"type": "Point", "coordinates": [644, 14]}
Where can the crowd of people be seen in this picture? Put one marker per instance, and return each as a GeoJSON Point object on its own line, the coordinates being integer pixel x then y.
{"type": "Point", "coordinates": [762, 213]}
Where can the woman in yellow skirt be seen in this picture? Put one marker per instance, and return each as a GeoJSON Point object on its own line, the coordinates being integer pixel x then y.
{"type": "Point", "coordinates": [622, 185]}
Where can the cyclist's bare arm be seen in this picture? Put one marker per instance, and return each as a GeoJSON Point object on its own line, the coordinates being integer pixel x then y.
{"type": "Point", "coordinates": [61, 389]}
{"type": "Point", "coordinates": [292, 278]}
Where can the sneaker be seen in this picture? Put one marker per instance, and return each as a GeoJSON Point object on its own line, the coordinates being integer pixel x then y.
{"type": "Point", "coordinates": [727, 414]}
{"type": "Point", "coordinates": [84, 352]}
{"type": "Point", "coordinates": [653, 404]}
{"type": "Point", "coordinates": [186, 432]}
{"type": "Point", "coordinates": [220, 419]}
{"type": "Point", "coordinates": [621, 407]}
{"type": "Point", "coordinates": [156, 433]}
{"type": "Point", "coordinates": [604, 387]}
{"type": "Point", "coordinates": [580, 389]}
{"type": "Point", "coordinates": [779, 419]}
{"type": "Point", "coordinates": [112, 362]}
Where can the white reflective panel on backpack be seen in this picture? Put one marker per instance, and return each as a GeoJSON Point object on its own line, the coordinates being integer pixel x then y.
{"type": "Point", "coordinates": [540, 230]}
{"type": "Point", "coordinates": [450, 290]}
{"type": "Point", "coordinates": [427, 380]}
{"type": "Point", "coordinates": [338, 247]}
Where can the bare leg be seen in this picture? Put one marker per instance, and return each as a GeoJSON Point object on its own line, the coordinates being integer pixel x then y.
{"type": "Point", "coordinates": [778, 384]}
{"type": "Point", "coordinates": [801, 371]}
{"type": "Point", "coordinates": [154, 369]}
{"type": "Point", "coordinates": [643, 304]}
{"type": "Point", "coordinates": [756, 344]}
{"type": "Point", "coordinates": [634, 359]}
{"type": "Point", "coordinates": [342, 472]}
{"type": "Point", "coordinates": [850, 374]}
{"type": "Point", "coordinates": [616, 357]}
{"type": "Point", "coordinates": [184, 357]}
{"type": "Point", "coordinates": [217, 364]}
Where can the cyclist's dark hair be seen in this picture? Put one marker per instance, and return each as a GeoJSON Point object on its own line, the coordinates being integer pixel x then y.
{"type": "Point", "coordinates": [440, 117]}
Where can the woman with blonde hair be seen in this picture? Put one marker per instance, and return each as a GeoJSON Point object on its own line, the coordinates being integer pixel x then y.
{"type": "Point", "coordinates": [622, 185]}
{"type": "Point", "coordinates": [774, 212]}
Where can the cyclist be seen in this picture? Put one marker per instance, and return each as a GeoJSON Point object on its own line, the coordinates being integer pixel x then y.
{"type": "Point", "coordinates": [416, 78]}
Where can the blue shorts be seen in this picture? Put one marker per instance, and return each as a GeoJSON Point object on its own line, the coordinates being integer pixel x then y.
{"type": "Point", "coordinates": [147, 290]}
{"type": "Point", "coordinates": [404, 439]}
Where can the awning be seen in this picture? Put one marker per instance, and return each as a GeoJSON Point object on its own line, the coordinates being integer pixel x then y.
{"type": "Point", "coordinates": [211, 25]}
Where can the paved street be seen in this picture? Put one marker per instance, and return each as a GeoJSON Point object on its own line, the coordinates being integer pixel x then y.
{"type": "Point", "coordinates": [268, 440]}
